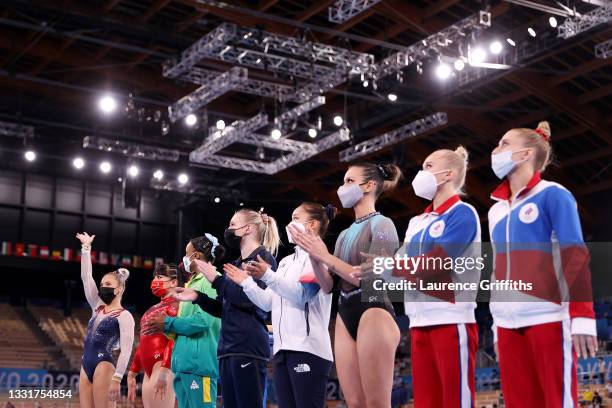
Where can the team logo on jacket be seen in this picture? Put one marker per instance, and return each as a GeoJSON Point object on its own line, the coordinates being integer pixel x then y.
{"type": "Point", "coordinates": [156, 356]}
{"type": "Point", "coordinates": [436, 229]}
{"type": "Point", "coordinates": [302, 368]}
{"type": "Point", "coordinates": [194, 385]}
{"type": "Point", "coordinates": [528, 213]}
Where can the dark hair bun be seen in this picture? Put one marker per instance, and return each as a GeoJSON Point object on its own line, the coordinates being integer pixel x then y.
{"type": "Point", "coordinates": [219, 252]}
{"type": "Point", "coordinates": [331, 211]}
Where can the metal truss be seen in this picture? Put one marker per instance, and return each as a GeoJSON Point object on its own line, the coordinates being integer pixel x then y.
{"type": "Point", "coordinates": [206, 93]}
{"type": "Point", "coordinates": [218, 141]}
{"type": "Point", "coordinates": [395, 136]}
{"type": "Point", "coordinates": [279, 164]}
{"type": "Point", "coordinates": [300, 109]}
{"type": "Point", "coordinates": [343, 10]}
{"type": "Point", "coordinates": [16, 130]}
{"type": "Point", "coordinates": [131, 149]}
{"type": "Point", "coordinates": [577, 25]}
{"type": "Point", "coordinates": [435, 44]}
{"type": "Point", "coordinates": [199, 189]}
{"type": "Point", "coordinates": [202, 76]}
{"type": "Point", "coordinates": [604, 50]}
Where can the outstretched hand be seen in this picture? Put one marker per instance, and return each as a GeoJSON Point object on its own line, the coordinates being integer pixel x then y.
{"type": "Point", "coordinates": [184, 294]}
{"type": "Point", "coordinates": [236, 274]}
{"type": "Point", "coordinates": [85, 238]}
{"type": "Point", "coordinates": [309, 242]}
{"type": "Point", "coordinates": [257, 268]}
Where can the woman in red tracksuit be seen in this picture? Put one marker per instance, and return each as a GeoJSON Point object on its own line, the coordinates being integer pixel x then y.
{"type": "Point", "coordinates": [155, 350]}
{"type": "Point", "coordinates": [537, 240]}
{"type": "Point", "coordinates": [443, 330]}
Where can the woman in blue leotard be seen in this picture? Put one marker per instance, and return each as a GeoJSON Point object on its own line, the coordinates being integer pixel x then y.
{"type": "Point", "coordinates": [110, 327]}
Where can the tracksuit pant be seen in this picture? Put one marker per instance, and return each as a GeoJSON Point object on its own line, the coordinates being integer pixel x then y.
{"type": "Point", "coordinates": [300, 379]}
{"type": "Point", "coordinates": [195, 391]}
{"type": "Point", "coordinates": [443, 365]}
{"type": "Point", "coordinates": [243, 381]}
{"type": "Point", "coordinates": [538, 366]}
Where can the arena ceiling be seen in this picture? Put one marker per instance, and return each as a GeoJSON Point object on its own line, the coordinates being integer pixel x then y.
{"type": "Point", "coordinates": [58, 56]}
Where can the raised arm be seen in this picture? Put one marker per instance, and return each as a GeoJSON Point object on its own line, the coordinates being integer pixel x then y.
{"type": "Point", "coordinates": [126, 342]}
{"type": "Point", "coordinates": [89, 285]}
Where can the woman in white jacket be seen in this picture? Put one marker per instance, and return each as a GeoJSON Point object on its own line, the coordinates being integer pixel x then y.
{"type": "Point", "coordinates": [300, 314]}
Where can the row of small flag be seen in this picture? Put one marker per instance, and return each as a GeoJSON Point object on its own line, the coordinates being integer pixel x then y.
{"type": "Point", "coordinates": [70, 255]}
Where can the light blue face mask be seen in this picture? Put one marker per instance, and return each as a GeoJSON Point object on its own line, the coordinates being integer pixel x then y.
{"type": "Point", "coordinates": [502, 163]}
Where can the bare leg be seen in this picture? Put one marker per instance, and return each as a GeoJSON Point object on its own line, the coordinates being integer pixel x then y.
{"type": "Point", "coordinates": [169, 397]}
{"type": "Point", "coordinates": [377, 340]}
{"type": "Point", "coordinates": [147, 391]}
{"type": "Point", "coordinates": [102, 379]}
{"type": "Point", "coordinates": [86, 398]}
{"type": "Point", "coordinates": [347, 366]}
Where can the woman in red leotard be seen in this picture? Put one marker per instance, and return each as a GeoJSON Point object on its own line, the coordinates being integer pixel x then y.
{"type": "Point", "coordinates": [154, 351]}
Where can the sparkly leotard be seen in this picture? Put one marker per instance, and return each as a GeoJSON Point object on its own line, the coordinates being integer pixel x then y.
{"type": "Point", "coordinates": [155, 347]}
{"type": "Point", "coordinates": [105, 330]}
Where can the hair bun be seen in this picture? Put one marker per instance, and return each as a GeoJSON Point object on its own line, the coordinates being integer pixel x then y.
{"type": "Point", "coordinates": [544, 130]}
{"type": "Point", "coordinates": [462, 152]}
{"type": "Point", "coordinates": [124, 274]}
{"type": "Point", "coordinates": [331, 211]}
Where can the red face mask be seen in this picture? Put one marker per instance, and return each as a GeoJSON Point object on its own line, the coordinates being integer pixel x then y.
{"type": "Point", "coordinates": [157, 287]}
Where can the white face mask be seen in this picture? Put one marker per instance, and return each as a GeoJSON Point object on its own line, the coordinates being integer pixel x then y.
{"type": "Point", "coordinates": [299, 226]}
{"type": "Point", "coordinates": [187, 263]}
{"type": "Point", "coordinates": [350, 195]}
{"type": "Point", "coordinates": [425, 184]}
{"type": "Point", "coordinates": [502, 163]}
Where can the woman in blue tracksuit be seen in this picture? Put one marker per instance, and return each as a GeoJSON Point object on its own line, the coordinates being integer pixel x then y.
{"type": "Point", "coordinates": [244, 347]}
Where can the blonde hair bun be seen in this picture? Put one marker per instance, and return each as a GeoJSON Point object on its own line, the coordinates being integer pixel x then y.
{"type": "Point", "coordinates": [544, 127]}
{"type": "Point", "coordinates": [462, 152]}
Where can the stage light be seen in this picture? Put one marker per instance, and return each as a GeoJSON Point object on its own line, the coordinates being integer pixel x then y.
{"type": "Point", "coordinates": [107, 104]}
{"type": "Point", "coordinates": [105, 167]}
{"type": "Point", "coordinates": [496, 47]}
{"type": "Point", "coordinates": [443, 71]}
{"type": "Point", "coordinates": [133, 171]}
{"type": "Point", "coordinates": [217, 200]}
{"type": "Point", "coordinates": [511, 42]}
{"type": "Point", "coordinates": [191, 119]}
{"type": "Point", "coordinates": [158, 175]}
{"type": "Point", "coordinates": [478, 55]}
{"type": "Point", "coordinates": [183, 178]}
{"type": "Point", "coordinates": [552, 21]}
{"type": "Point", "coordinates": [459, 65]}
{"type": "Point", "coordinates": [78, 163]}
{"type": "Point", "coordinates": [312, 132]}
{"type": "Point", "coordinates": [365, 83]}
{"type": "Point", "coordinates": [30, 156]}
{"type": "Point", "coordinates": [241, 204]}
{"type": "Point", "coordinates": [220, 124]}
{"type": "Point", "coordinates": [531, 32]}
{"type": "Point", "coordinates": [276, 134]}
{"type": "Point", "coordinates": [392, 97]}
{"type": "Point", "coordinates": [338, 121]}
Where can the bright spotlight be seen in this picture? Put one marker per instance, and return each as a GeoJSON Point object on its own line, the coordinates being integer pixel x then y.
{"type": "Point", "coordinates": [478, 55]}
{"type": "Point", "coordinates": [107, 104]}
{"type": "Point", "coordinates": [312, 132]}
{"type": "Point", "coordinates": [133, 171]}
{"type": "Point", "coordinates": [459, 64]}
{"type": "Point", "coordinates": [30, 156]}
{"type": "Point", "coordinates": [191, 119]}
{"type": "Point", "coordinates": [338, 121]}
{"type": "Point", "coordinates": [496, 47]}
{"type": "Point", "coordinates": [183, 178]}
{"type": "Point", "coordinates": [78, 163]}
{"type": "Point", "coordinates": [105, 167]}
{"type": "Point", "coordinates": [511, 42]}
{"type": "Point", "coordinates": [553, 22]}
{"type": "Point", "coordinates": [276, 134]}
{"type": "Point", "coordinates": [220, 124]}
{"type": "Point", "coordinates": [392, 97]}
{"type": "Point", "coordinates": [531, 32]}
{"type": "Point", "coordinates": [158, 175]}
{"type": "Point", "coordinates": [443, 71]}
{"type": "Point", "coordinates": [217, 200]}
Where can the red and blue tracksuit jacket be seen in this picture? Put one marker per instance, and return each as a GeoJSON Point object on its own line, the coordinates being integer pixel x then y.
{"type": "Point", "coordinates": [537, 238]}
{"type": "Point", "coordinates": [451, 231]}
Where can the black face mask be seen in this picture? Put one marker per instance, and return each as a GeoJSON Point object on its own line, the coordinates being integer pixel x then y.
{"type": "Point", "coordinates": [107, 294]}
{"type": "Point", "coordinates": [231, 239]}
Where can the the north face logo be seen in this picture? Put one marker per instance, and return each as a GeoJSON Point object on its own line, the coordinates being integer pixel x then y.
{"type": "Point", "coordinates": [156, 356]}
{"type": "Point", "coordinates": [100, 355]}
{"type": "Point", "coordinates": [302, 368]}
{"type": "Point", "coordinates": [194, 385]}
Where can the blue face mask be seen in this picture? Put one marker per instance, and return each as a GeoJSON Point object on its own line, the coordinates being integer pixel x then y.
{"type": "Point", "coordinates": [502, 163]}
